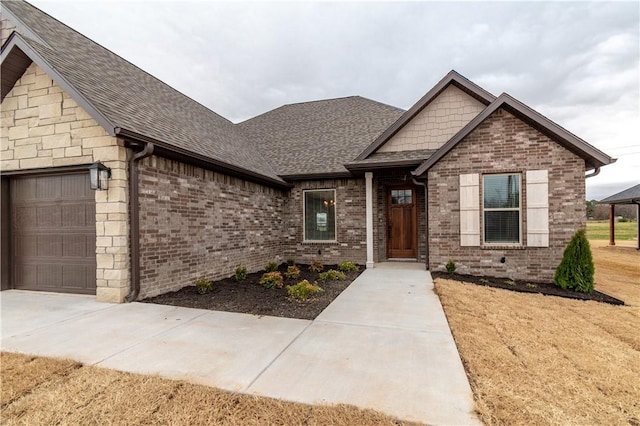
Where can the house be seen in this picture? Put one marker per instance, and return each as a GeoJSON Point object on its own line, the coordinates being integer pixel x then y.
{"type": "Point", "coordinates": [462, 175]}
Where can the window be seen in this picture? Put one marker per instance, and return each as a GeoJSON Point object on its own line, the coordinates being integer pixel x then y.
{"type": "Point", "coordinates": [320, 215]}
{"type": "Point", "coordinates": [501, 209]}
{"type": "Point", "coordinates": [401, 196]}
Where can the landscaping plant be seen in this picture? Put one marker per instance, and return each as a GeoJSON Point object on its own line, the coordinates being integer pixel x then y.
{"type": "Point", "coordinates": [271, 267]}
{"type": "Point", "coordinates": [292, 272]}
{"type": "Point", "coordinates": [271, 279]}
{"type": "Point", "coordinates": [203, 285]}
{"type": "Point", "coordinates": [241, 273]}
{"type": "Point", "coordinates": [291, 261]}
{"type": "Point", "coordinates": [331, 275]}
{"type": "Point", "coordinates": [576, 270]}
{"type": "Point", "coordinates": [303, 290]}
{"type": "Point", "coordinates": [316, 266]}
{"type": "Point", "coordinates": [348, 266]}
{"type": "Point", "coordinates": [451, 266]}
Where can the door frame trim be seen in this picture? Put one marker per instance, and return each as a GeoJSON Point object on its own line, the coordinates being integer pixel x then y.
{"type": "Point", "coordinates": [414, 218]}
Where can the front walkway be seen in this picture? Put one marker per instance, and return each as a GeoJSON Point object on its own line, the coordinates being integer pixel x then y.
{"type": "Point", "coordinates": [384, 344]}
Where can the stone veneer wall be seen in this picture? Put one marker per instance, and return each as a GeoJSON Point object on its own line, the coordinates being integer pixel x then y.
{"type": "Point", "coordinates": [351, 235]}
{"type": "Point", "coordinates": [199, 223]}
{"type": "Point", "coordinates": [43, 127]}
{"type": "Point", "coordinates": [6, 28]}
{"type": "Point", "coordinates": [383, 181]}
{"type": "Point", "coordinates": [432, 127]}
{"type": "Point", "coordinates": [504, 143]}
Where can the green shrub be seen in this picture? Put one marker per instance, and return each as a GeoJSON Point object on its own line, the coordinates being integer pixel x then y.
{"type": "Point", "coordinates": [348, 266]}
{"type": "Point", "coordinates": [203, 285]}
{"type": "Point", "coordinates": [271, 267]}
{"type": "Point", "coordinates": [331, 275]}
{"type": "Point", "coordinates": [510, 282]}
{"type": "Point", "coordinates": [291, 261]}
{"type": "Point", "coordinates": [271, 279]}
{"type": "Point", "coordinates": [303, 290]}
{"type": "Point", "coordinates": [241, 273]}
{"type": "Point", "coordinates": [451, 266]}
{"type": "Point", "coordinates": [575, 272]}
{"type": "Point", "coordinates": [292, 272]}
{"type": "Point", "coordinates": [316, 266]}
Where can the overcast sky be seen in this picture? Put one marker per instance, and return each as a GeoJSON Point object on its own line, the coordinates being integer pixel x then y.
{"type": "Point", "coordinates": [577, 63]}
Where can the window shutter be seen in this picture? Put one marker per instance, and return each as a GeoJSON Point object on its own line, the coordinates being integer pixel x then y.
{"type": "Point", "coordinates": [537, 208]}
{"type": "Point", "coordinates": [470, 209]}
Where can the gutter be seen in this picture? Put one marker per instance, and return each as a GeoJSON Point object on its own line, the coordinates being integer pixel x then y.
{"type": "Point", "coordinates": [596, 172]}
{"type": "Point", "coordinates": [134, 220]}
{"type": "Point", "coordinates": [426, 219]}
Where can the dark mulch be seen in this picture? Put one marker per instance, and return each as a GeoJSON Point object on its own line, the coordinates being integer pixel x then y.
{"type": "Point", "coordinates": [249, 297]}
{"type": "Point", "coordinates": [548, 289]}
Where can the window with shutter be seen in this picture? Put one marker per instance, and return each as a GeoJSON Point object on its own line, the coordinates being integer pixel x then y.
{"type": "Point", "coordinates": [501, 209]}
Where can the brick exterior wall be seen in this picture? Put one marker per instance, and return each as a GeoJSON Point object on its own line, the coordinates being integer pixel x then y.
{"type": "Point", "coordinates": [43, 127]}
{"type": "Point", "coordinates": [383, 182]}
{"type": "Point", "coordinates": [351, 236]}
{"type": "Point", "coordinates": [504, 143]}
{"type": "Point", "coordinates": [449, 112]}
{"type": "Point", "coordinates": [198, 223]}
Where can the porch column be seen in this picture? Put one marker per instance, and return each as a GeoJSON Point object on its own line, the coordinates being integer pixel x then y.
{"type": "Point", "coordinates": [612, 224]}
{"type": "Point", "coordinates": [368, 177]}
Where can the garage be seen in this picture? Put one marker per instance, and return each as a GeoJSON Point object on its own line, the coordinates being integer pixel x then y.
{"type": "Point", "coordinates": [52, 233]}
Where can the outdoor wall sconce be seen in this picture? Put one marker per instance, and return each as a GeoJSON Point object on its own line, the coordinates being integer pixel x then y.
{"type": "Point", "coordinates": [99, 176]}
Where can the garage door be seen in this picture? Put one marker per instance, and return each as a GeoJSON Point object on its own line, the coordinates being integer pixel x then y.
{"type": "Point", "coordinates": [53, 233]}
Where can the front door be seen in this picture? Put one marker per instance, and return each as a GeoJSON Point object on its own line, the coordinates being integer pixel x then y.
{"type": "Point", "coordinates": [402, 220]}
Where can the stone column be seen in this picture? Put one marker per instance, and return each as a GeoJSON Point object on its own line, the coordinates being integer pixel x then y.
{"type": "Point", "coordinates": [368, 176]}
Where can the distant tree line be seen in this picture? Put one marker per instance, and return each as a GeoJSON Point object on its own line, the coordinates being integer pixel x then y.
{"type": "Point", "coordinates": [601, 211]}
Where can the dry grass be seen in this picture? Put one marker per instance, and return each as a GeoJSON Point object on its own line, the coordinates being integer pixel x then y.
{"type": "Point", "coordinates": [42, 391]}
{"type": "Point", "coordinates": [534, 359]}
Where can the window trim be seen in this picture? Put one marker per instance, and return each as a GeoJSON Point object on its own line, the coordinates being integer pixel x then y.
{"type": "Point", "coordinates": [519, 243]}
{"type": "Point", "coordinates": [304, 216]}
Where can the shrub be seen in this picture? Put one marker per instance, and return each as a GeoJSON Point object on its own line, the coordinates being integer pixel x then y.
{"type": "Point", "coordinates": [303, 290]}
{"type": "Point", "coordinates": [292, 272]}
{"type": "Point", "coordinates": [316, 266]}
{"type": "Point", "coordinates": [576, 269]}
{"type": "Point", "coordinates": [331, 275]}
{"type": "Point", "coordinates": [271, 279]}
{"type": "Point", "coordinates": [451, 266]}
{"type": "Point", "coordinates": [241, 273]}
{"type": "Point", "coordinates": [271, 267]}
{"type": "Point", "coordinates": [348, 266]}
{"type": "Point", "coordinates": [203, 285]}
{"type": "Point", "coordinates": [291, 261]}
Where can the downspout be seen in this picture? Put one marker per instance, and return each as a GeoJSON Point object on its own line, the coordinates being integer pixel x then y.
{"type": "Point", "coordinates": [426, 219]}
{"type": "Point", "coordinates": [134, 221]}
{"type": "Point", "coordinates": [596, 172]}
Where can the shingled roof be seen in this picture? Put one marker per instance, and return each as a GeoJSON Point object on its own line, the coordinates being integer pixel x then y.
{"type": "Point", "coordinates": [628, 196]}
{"type": "Point", "coordinates": [318, 138]}
{"type": "Point", "coordinates": [131, 101]}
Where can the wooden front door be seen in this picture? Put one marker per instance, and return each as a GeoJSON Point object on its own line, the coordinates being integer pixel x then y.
{"type": "Point", "coordinates": [402, 224]}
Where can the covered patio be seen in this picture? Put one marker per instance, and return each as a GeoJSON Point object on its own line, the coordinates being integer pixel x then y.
{"type": "Point", "coordinates": [628, 196]}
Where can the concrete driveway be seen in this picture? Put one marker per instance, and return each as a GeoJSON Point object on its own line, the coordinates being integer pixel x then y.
{"type": "Point", "coordinates": [383, 344]}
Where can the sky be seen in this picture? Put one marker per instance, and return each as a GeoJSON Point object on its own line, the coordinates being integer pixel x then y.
{"type": "Point", "coordinates": [578, 63]}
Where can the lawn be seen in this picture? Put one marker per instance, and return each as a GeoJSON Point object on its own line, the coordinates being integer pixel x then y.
{"type": "Point", "coordinates": [599, 230]}
{"type": "Point", "coordinates": [541, 360]}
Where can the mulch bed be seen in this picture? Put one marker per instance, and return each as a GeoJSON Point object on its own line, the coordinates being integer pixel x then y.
{"type": "Point", "coordinates": [548, 289]}
{"type": "Point", "coordinates": [249, 297]}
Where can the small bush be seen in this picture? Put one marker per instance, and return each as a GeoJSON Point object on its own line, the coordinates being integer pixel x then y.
{"type": "Point", "coordinates": [576, 269]}
{"type": "Point", "coordinates": [316, 266]}
{"type": "Point", "coordinates": [331, 275]}
{"type": "Point", "coordinates": [271, 267]}
{"type": "Point", "coordinates": [241, 273]}
{"type": "Point", "coordinates": [303, 290]}
{"type": "Point", "coordinates": [291, 261]}
{"type": "Point", "coordinates": [451, 266]}
{"type": "Point", "coordinates": [271, 279]}
{"type": "Point", "coordinates": [348, 266]}
{"type": "Point", "coordinates": [292, 272]}
{"type": "Point", "coordinates": [203, 285]}
{"type": "Point", "coordinates": [509, 282]}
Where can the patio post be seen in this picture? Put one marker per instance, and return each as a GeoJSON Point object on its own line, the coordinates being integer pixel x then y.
{"type": "Point", "coordinates": [612, 226]}
{"type": "Point", "coordinates": [368, 176]}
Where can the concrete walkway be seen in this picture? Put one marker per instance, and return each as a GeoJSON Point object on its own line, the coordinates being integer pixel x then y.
{"type": "Point", "coordinates": [383, 344]}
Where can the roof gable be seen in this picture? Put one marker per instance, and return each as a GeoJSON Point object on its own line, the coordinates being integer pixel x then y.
{"type": "Point", "coordinates": [452, 78]}
{"type": "Point", "coordinates": [592, 156]}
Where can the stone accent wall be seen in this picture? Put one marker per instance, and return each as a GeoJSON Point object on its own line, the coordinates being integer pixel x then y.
{"type": "Point", "coordinates": [383, 181]}
{"type": "Point", "coordinates": [351, 235]}
{"type": "Point", "coordinates": [43, 127]}
{"type": "Point", "coordinates": [504, 144]}
{"type": "Point", "coordinates": [449, 112]}
{"type": "Point", "coordinates": [199, 223]}
{"type": "Point", "coordinates": [6, 28]}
